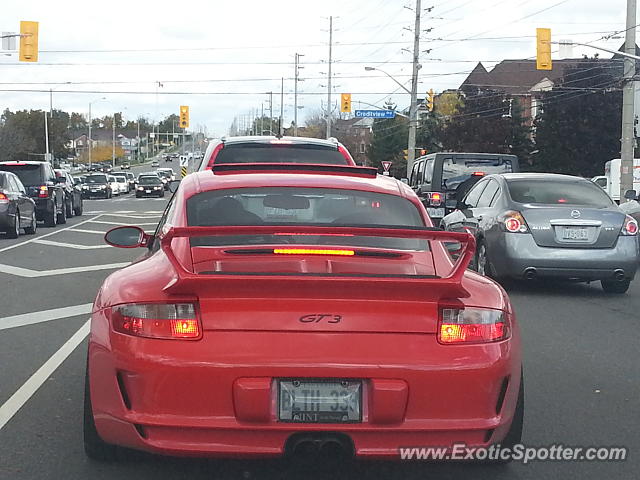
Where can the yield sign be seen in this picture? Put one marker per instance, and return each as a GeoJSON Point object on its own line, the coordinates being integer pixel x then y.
{"type": "Point", "coordinates": [386, 166]}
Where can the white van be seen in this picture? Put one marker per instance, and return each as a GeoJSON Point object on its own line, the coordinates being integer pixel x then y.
{"type": "Point", "coordinates": [612, 172]}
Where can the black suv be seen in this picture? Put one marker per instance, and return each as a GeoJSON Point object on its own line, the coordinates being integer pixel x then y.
{"type": "Point", "coordinates": [73, 197]}
{"type": "Point", "coordinates": [44, 187]}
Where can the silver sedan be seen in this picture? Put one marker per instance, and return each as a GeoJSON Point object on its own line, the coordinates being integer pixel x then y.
{"type": "Point", "coordinates": [531, 225]}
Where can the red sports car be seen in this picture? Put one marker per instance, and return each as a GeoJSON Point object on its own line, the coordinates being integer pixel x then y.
{"type": "Point", "coordinates": [299, 309]}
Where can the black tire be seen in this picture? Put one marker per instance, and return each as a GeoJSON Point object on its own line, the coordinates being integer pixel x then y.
{"type": "Point", "coordinates": [94, 447]}
{"type": "Point", "coordinates": [51, 220]}
{"type": "Point", "coordinates": [62, 216]}
{"type": "Point", "coordinates": [615, 286]}
{"type": "Point", "coordinates": [69, 207]}
{"type": "Point", "coordinates": [14, 231]}
{"type": "Point", "coordinates": [77, 209]}
{"type": "Point", "coordinates": [33, 227]}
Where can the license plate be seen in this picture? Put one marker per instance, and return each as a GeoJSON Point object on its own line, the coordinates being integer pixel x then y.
{"type": "Point", "coordinates": [575, 234]}
{"type": "Point", "coordinates": [147, 191]}
{"type": "Point", "coordinates": [436, 212]}
{"type": "Point", "coordinates": [320, 401]}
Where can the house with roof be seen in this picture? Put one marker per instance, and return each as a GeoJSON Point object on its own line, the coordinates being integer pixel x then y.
{"type": "Point", "coordinates": [521, 80]}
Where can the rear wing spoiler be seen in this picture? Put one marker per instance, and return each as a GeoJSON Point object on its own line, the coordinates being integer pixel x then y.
{"type": "Point", "coordinates": [440, 286]}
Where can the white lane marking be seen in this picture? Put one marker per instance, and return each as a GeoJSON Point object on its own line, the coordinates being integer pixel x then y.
{"type": "Point", "coordinates": [94, 212]}
{"type": "Point", "coordinates": [31, 386]}
{"type": "Point", "coordinates": [31, 240]}
{"type": "Point", "coordinates": [71, 245]}
{"type": "Point", "coordinates": [25, 319]}
{"type": "Point", "coordinates": [28, 273]}
{"type": "Point", "coordinates": [141, 217]}
{"type": "Point", "coordinates": [82, 230]}
{"type": "Point", "coordinates": [120, 223]}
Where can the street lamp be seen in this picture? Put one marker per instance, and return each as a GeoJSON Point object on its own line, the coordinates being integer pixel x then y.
{"type": "Point", "coordinates": [413, 113]}
{"type": "Point", "coordinates": [90, 142]}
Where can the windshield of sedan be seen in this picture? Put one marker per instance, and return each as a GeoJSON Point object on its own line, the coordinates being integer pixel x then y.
{"type": "Point", "coordinates": [558, 192]}
{"type": "Point", "coordinates": [149, 181]}
{"type": "Point", "coordinates": [280, 153]}
{"type": "Point", "coordinates": [98, 179]}
{"type": "Point", "coordinates": [304, 206]}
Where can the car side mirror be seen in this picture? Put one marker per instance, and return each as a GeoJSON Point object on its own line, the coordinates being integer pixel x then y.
{"type": "Point", "coordinates": [173, 185]}
{"type": "Point", "coordinates": [630, 195]}
{"type": "Point", "coordinates": [127, 237]}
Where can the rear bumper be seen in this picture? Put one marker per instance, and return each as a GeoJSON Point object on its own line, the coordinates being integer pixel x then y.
{"type": "Point", "coordinates": [515, 253]}
{"type": "Point", "coordinates": [6, 217]}
{"type": "Point", "coordinates": [44, 206]}
{"type": "Point", "coordinates": [217, 397]}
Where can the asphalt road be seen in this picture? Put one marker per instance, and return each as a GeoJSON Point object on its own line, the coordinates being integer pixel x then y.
{"type": "Point", "coordinates": [581, 368]}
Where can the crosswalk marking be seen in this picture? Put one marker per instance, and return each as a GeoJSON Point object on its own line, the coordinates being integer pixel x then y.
{"type": "Point", "coordinates": [28, 273]}
{"type": "Point", "coordinates": [71, 245]}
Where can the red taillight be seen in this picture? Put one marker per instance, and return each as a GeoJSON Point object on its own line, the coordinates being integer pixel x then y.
{"type": "Point", "coordinates": [3, 198]}
{"type": "Point", "coordinates": [514, 222]}
{"type": "Point", "coordinates": [472, 325]}
{"type": "Point", "coordinates": [43, 192]}
{"type": "Point", "coordinates": [630, 226]}
{"type": "Point", "coordinates": [435, 198]}
{"type": "Point", "coordinates": [157, 320]}
{"type": "Point", "coordinates": [214, 154]}
{"type": "Point", "coordinates": [479, 174]}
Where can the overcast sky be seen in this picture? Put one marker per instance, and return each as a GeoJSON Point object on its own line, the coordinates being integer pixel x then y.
{"type": "Point", "coordinates": [220, 57]}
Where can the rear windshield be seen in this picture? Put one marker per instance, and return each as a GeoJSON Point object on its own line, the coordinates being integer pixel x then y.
{"type": "Point", "coordinates": [121, 178]}
{"type": "Point", "coordinates": [280, 153]}
{"type": "Point", "coordinates": [149, 181]}
{"type": "Point", "coordinates": [28, 174]}
{"type": "Point", "coordinates": [455, 171]}
{"type": "Point", "coordinates": [304, 206]}
{"type": "Point", "coordinates": [100, 179]}
{"type": "Point", "coordinates": [554, 192]}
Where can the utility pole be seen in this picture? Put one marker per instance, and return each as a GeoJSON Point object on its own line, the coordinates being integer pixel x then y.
{"type": "Point", "coordinates": [281, 127]}
{"type": "Point", "coordinates": [329, 77]}
{"type": "Point", "coordinates": [261, 118]}
{"type": "Point", "coordinates": [113, 141]}
{"type": "Point", "coordinates": [296, 79]}
{"type": "Point", "coordinates": [628, 104]}
{"type": "Point", "coordinates": [413, 109]}
{"type": "Point", "coordinates": [46, 138]}
{"type": "Point", "coordinates": [270, 113]}
{"type": "Point", "coordinates": [90, 145]}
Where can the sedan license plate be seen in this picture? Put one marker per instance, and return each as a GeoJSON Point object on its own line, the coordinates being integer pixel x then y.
{"type": "Point", "coordinates": [147, 191]}
{"type": "Point", "coordinates": [436, 212]}
{"type": "Point", "coordinates": [575, 234]}
{"type": "Point", "coordinates": [320, 401]}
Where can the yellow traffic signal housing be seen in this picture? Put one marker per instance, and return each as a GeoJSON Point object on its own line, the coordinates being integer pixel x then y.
{"type": "Point", "coordinates": [543, 49]}
{"type": "Point", "coordinates": [430, 100]}
{"type": "Point", "coordinates": [405, 154]}
{"type": "Point", "coordinates": [28, 42]}
{"type": "Point", "coordinates": [184, 116]}
{"type": "Point", "coordinates": [345, 103]}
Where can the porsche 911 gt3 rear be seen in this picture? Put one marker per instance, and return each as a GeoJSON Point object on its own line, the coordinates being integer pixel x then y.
{"type": "Point", "coordinates": [301, 337]}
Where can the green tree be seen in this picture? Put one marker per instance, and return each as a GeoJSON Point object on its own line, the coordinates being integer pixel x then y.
{"type": "Point", "coordinates": [390, 136]}
{"type": "Point", "coordinates": [22, 134]}
{"type": "Point", "coordinates": [580, 124]}
{"type": "Point", "coordinates": [488, 122]}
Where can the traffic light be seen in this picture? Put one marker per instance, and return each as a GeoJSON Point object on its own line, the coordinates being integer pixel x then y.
{"type": "Point", "coordinates": [345, 103]}
{"type": "Point", "coordinates": [543, 49]}
{"type": "Point", "coordinates": [184, 116]}
{"type": "Point", "coordinates": [430, 100]}
{"type": "Point", "coordinates": [28, 42]}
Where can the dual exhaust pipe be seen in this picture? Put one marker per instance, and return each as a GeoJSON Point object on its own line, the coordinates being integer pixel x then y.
{"type": "Point", "coordinates": [323, 448]}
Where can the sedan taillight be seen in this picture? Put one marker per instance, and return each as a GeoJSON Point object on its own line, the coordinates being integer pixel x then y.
{"type": "Point", "coordinates": [176, 321]}
{"type": "Point", "coordinates": [3, 198]}
{"type": "Point", "coordinates": [472, 325]}
{"type": "Point", "coordinates": [630, 227]}
{"type": "Point", "coordinates": [514, 222]}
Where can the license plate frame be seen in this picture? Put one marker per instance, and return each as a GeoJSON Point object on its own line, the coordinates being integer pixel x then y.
{"type": "Point", "coordinates": [575, 234]}
{"type": "Point", "coordinates": [315, 415]}
{"type": "Point", "coordinates": [435, 212]}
